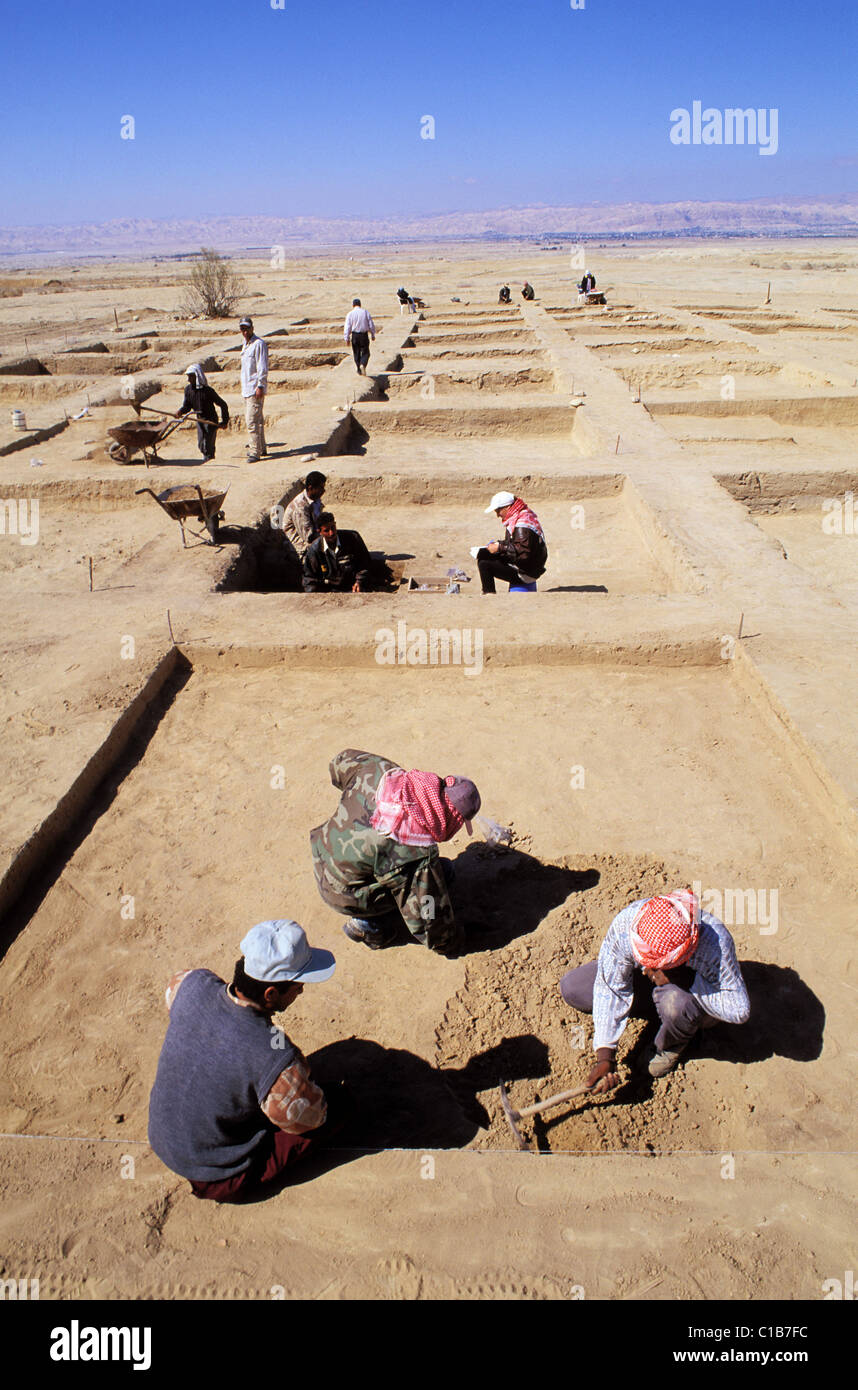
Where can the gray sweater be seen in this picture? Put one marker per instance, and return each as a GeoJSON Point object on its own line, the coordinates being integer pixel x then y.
{"type": "Point", "coordinates": [217, 1065]}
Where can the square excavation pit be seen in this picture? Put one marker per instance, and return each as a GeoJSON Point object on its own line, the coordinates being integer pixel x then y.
{"type": "Point", "coordinates": [594, 542]}
{"type": "Point", "coordinates": [706, 378]}
{"type": "Point", "coordinates": [67, 537]}
{"type": "Point", "coordinates": [632, 342]}
{"type": "Point", "coordinates": [131, 541]}
{"type": "Point", "coordinates": [813, 516]}
{"type": "Point", "coordinates": [528, 419]}
{"type": "Point", "coordinates": [820, 423]}
{"type": "Point", "coordinates": [685, 778]}
{"type": "Point", "coordinates": [470, 376]}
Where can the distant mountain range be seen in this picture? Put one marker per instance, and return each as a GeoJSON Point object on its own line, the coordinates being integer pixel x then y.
{"type": "Point", "coordinates": [758, 217]}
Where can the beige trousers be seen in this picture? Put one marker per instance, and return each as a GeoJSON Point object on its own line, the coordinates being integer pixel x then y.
{"type": "Point", "coordinates": [254, 417]}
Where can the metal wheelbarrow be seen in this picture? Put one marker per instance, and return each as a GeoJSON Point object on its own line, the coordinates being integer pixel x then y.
{"type": "Point", "coordinates": [139, 437]}
{"type": "Point", "coordinates": [188, 500]}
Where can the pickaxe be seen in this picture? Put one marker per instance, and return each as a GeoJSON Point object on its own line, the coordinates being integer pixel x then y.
{"type": "Point", "coordinates": [513, 1116]}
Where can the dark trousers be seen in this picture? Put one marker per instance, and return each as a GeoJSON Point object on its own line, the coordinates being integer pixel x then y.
{"type": "Point", "coordinates": [680, 1014]}
{"type": "Point", "coordinates": [494, 567]}
{"type": "Point", "coordinates": [206, 440]}
{"type": "Point", "coordinates": [360, 348]}
{"type": "Point", "coordinates": [278, 1151]}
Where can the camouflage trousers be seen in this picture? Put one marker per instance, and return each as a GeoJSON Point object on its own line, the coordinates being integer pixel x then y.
{"type": "Point", "coordinates": [383, 927]}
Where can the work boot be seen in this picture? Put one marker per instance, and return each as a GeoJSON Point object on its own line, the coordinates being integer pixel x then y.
{"type": "Point", "coordinates": [663, 1062]}
{"type": "Point", "coordinates": [362, 931]}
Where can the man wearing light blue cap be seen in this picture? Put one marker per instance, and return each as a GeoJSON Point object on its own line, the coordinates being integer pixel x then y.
{"type": "Point", "coordinates": [233, 1101]}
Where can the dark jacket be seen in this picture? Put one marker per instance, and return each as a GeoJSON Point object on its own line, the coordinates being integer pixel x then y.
{"type": "Point", "coordinates": [202, 401]}
{"type": "Point", "coordinates": [526, 550]}
{"type": "Point", "coordinates": [326, 572]}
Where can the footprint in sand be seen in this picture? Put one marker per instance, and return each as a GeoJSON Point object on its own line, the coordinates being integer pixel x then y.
{"type": "Point", "coordinates": [504, 1284]}
{"type": "Point", "coordinates": [400, 1278]}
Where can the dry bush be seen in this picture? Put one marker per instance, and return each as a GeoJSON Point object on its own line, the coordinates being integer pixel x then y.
{"type": "Point", "coordinates": [213, 286]}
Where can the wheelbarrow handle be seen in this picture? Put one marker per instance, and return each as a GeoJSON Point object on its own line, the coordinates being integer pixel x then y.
{"type": "Point", "coordinates": [185, 419]}
{"type": "Point", "coordinates": [138, 490]}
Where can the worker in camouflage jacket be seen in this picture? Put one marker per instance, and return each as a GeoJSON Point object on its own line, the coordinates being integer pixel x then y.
{"type": "Point", "coordinates": [376, 860]}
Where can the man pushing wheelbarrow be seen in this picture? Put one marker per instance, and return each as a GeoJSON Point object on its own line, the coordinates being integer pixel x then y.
{"type": "Point", "coordinates": [201, 400]}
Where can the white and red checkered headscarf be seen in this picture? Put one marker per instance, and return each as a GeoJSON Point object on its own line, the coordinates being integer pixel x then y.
{"type": "Point", "coordinates": [666, 930]}
{"type": "Point", "coordinates": [412, 809]}
{"type": "Point", "coordinates": [520, 514]}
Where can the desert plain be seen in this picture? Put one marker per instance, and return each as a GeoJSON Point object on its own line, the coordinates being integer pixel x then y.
{"type": "Point", "coordinates": [675, 705]}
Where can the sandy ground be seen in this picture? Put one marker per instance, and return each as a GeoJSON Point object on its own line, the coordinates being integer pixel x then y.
{"type": "Point", "coordinates": [613, 720]}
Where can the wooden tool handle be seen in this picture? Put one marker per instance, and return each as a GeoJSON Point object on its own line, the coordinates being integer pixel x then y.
{"type": "Point", "coordinates": [552, 1100]}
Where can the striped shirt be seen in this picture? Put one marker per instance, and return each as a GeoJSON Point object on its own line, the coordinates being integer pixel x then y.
{"type": "Point", "coordinates": [717, 985]}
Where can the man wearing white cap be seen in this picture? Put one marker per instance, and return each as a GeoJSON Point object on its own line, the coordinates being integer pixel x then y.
{"type": "Point", "coordinates": [254, 384]}
{"type": "Point", "coordinates": [233, 1101]}
{"type": "Point", "coordinates": [520, 558]}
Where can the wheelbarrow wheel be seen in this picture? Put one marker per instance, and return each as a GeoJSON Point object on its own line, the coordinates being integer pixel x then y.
{"type": "Point", "coordinates": [119, 453]}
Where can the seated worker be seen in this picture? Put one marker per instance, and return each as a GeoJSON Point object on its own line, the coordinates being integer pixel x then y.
{"type": "Point", "coordinates": [527, 291]}
{"type": "Point", "coordinates": [301, 518]}
{"type": "Point", "coordinates": [338, 562]}
{"type": "Point", "coordinates": [377, 856]}
{"type": "Point", "coordinates": [689, 958]}
{"type": "Point", "coordinates": [406, 298]}
{"type": "Point", "coordinates": [200, 400]}
{"type": "Point", "coordinates": [233, 1102]}
{"type": "Point", "coordinates": [522, 556]}
{"type": "Point", "coordinates": [504, 296]}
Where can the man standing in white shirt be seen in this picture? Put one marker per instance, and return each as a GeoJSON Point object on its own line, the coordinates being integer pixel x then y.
{"type": "Point", "coordinates": [254, 384]}
{"type": "Point", "coordinates": [358, 330]}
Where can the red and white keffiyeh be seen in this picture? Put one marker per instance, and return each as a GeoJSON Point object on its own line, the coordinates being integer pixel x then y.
{"type": "Point", "coordinates": [666, 930]}
{"type": "Point", "coordinates": [411, 808]}
{"type": "Point", "coordinates": [520, 514]}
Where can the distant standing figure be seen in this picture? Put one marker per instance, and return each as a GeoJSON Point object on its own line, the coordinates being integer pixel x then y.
{"type": "Point", "coordinates": [254, 384]}
{"type": "Point", "coordinates": [358, 330]}
{"type": "Point", "coordinates": [504, 297]}
{"type": "Point", "coordinates": [201, 400]}
{"type": "Point", "coordinates": [527, 291]}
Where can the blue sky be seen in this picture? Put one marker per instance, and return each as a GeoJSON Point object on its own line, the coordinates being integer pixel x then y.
{"type": "Point", "coordinates": [315, 109]}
